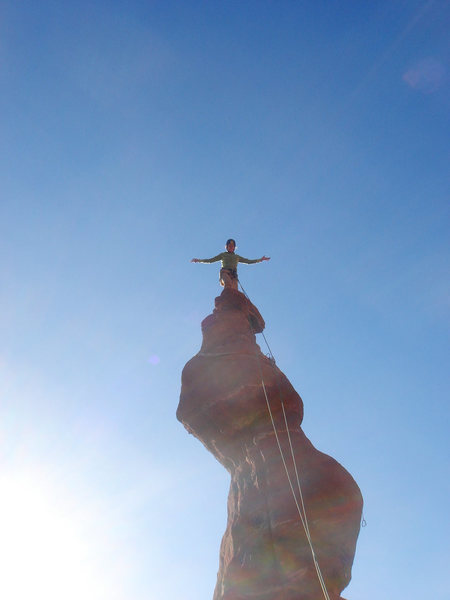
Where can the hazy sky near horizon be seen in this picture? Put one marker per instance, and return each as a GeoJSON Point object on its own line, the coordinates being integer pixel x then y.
{"type": "Point", "coordinates": [137, 135]}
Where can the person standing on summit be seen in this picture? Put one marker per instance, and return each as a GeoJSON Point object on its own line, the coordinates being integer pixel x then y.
{"type": "Point", "coordinates": [230, 260]}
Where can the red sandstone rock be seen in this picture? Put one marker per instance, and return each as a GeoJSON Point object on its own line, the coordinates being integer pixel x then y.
{"type": "Point", "coordinates": [264, 553]}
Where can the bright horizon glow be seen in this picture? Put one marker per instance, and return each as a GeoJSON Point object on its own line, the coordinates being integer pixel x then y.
{"type": "Point", "coordinates": [46, 552]}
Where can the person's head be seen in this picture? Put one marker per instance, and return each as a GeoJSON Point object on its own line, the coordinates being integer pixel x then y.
{"type": "Point", "coordinates": [230, 245]}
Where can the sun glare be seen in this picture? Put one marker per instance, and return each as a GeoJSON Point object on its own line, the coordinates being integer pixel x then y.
{"type": "Point", "coordinates": [44, 553]}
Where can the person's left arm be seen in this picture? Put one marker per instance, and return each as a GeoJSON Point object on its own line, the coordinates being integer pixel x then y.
{"type": "Point", "coordinates": [252, 261]}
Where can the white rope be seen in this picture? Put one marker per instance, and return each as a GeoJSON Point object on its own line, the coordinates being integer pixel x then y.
{"type": "Point", "coordinates": [302, 515]}
{"type": "Point", "coordinates": [301, 511]}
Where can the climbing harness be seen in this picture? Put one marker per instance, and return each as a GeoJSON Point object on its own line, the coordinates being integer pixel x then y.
{"type": "Point", "coordinates": [301, 509]}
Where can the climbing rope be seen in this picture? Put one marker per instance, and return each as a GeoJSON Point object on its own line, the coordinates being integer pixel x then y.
{"type": "Point", "coordinates": [301, 510]}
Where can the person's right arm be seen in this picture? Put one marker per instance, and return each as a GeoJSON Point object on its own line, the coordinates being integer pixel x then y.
{"type": "Point", "coordinates": [207, 260]}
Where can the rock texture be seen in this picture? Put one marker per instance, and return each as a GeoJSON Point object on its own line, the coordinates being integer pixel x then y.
{"type": "Point", "coordinates": [265, 554]}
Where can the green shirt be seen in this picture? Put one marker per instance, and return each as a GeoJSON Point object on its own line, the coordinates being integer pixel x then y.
{"type": "Point", "coordinates": [230, 260]}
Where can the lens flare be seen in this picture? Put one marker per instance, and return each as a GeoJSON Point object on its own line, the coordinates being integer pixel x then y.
{"type": "Point", "coordinates": [154, 359]}
{"type": "Point", "coordinates": [426, 76]}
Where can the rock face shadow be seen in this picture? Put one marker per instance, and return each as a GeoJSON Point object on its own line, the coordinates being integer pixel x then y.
{"type": "Point", "coordinates": [265, 554]}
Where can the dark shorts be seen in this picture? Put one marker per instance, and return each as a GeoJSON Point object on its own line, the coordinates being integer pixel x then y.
{"type": "Point", "coordinates": [231, 272]}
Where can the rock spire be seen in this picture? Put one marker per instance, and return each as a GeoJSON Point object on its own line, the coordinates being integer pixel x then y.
{"type": "Point", "coordinates": [264, 553]}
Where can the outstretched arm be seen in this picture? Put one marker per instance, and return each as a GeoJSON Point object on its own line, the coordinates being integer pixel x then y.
{"type": "Point", "coordinates": [252, 261]}
{"type": "Point", "coordinates": [207, 260]}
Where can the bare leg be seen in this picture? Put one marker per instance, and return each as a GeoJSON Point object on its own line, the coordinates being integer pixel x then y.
{"type": "Point", "coordinates": [226, 280]}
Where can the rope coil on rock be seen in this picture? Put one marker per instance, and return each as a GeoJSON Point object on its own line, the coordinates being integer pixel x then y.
{"type": "Point", "coordinates": [301, 510]}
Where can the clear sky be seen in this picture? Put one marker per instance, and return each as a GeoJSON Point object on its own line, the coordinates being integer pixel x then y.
{"type": "Point", "coordinates": [137, 135]}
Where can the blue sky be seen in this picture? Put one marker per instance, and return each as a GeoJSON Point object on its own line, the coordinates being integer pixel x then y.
{"type": "Point", "coordinates": [135, 136]}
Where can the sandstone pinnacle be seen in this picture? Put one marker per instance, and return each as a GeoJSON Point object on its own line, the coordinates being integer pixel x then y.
{"type": "Point", "coordinates": [265, 554]}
